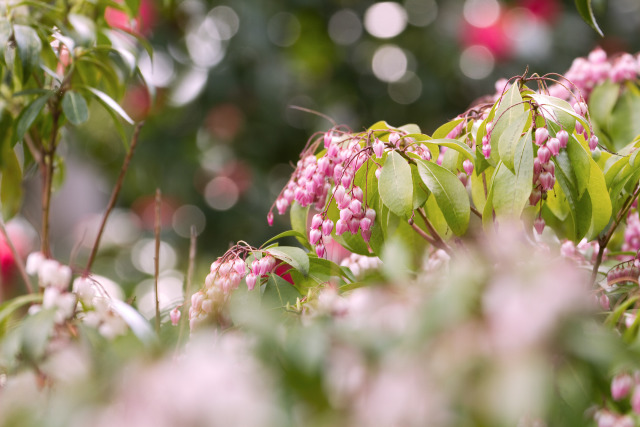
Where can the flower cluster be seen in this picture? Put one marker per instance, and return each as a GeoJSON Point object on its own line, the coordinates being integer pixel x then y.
{"type": "Point", "coordinates": [587, 73]}
{"type": "Point", "coordinates": [359, 264]}
{"type": "Point", "coordinates": [624, 385]}
{"type": "Point", "coordinates": [54, 278]}
{"type": "Point", "coordinates": [226, 274]}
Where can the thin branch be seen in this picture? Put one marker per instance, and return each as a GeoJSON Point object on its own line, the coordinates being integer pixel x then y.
{"type": "Point", "coordinates": [184, 319]}
{"type": "Point", "coordinates": [476, 212]}
{"type": "Point", "coordinates": [604, 241]}
{"type": "Point", "coordinates": [440, 243]}
{"type": "Point", "coordinates": [114, 197]}
{"type": "Point", "coordinates": [157, 257]}
{"type": "Point", "coordinates": [307, 110]}
{"type": "Point", "coordinates": [423, 234]}
{"type": "Point", "coordinates": [48, 158]}
{"type": "Point", "coordinates": [17, 259]}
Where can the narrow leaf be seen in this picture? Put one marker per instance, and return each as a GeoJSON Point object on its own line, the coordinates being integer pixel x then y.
{"type": "Point", "coordinates": [11, 186]}
{"type": "Point", "coordinates": [295, 257]}
{"type": "Point", "coordinates": [29, 115]}
{"type": "Point", "coordinates": [510, 138]}
{"type": "Point", "coordinates": [110, 103]}
{"type": "Point", "coordinates": [586, 11]}
{"type": "Point", "coordinates": [29, 47]}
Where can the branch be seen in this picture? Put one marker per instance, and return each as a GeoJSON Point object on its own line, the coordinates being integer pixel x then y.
{"type": "Point", "coordinates": [440, 243]}
{"type": "Point", "coordinates": [114, 197]}
{"type": "Point", "coordinates": [184, 319]}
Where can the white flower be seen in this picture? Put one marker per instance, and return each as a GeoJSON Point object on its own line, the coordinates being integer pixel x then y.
{"type": "Point", "coordinates": [34, 260]}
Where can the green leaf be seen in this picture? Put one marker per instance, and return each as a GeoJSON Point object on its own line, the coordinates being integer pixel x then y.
{"type": "Point", "coordinates": [35, 331]}
{"type": "Point", "coordinates": [480, 184]}
{"type": "Point", "coordinates": [108, 102]}
{"type": "Point", "coordinates": [624, 123]}
{"type": "Point", "coordinates": [585, 10]}
{"type": "Point", "coordinates": [11, 185]}
{"type": "Point", "coordinates": [85, 29]}
{"type": "Point", "coordinates": [29, 47]}
{"type": "Point", "coordinates": [511, 191]}
{"type": "Point", "coordinates": [580, 164]}
{"type": "Point", "coordinates": [444, 130]}
{"type": "Point", "coordinates": [601, 208]}
{"type": "Point", "coordinates": [451, 196]}
{"type": "Point", "coordinates": [290, 233]}
{"type": "Point", "coordinates": [567, 181]}
{"type": "Point", "coordinates": [454, 144]}
{"type": "Point", "coordinates": [560, 111]}
{"type": "Point", "coordinates": [138, 324]}
{"type": "Point", "coordinates": [29, 115]}
{"type": "Point", "coordinates": [9, 307]}
{"type": "Point", "coordinates": [437, 218]}
{"type": "Point", "coordinates": [75, 108]}
{"type": "Point", "coordinates": [509, 109]}
{"type": "Point", "coordinates": [509, 140]}
{"type": "Point", "coordinates": [278, 292]}
{"type": "Point", "coordinates": [295, 257]}
{"type": "Point", "coordinates": [602, 100]}
{"type": "Point", "coordinates": [396, 186]}
{"type": "Point", "coordinates": [420, 193]}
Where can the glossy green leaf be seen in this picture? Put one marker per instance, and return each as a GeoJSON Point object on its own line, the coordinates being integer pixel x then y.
{"type": "Point", "coordinates": [138, 324]}
{"type": "Point", "coordinates": [9, 307]}
{"type": "Point", "coordinates": [449, 193]}
{"type": "Point", "coordinates": [29, 115]}
{"type": "Point", "coordinates": [290, 233]}
{"type": "Point", "coordinates": [29, 46]}
{"type": "Point", "coordinates": [557, 203]}
{"type": "Point", "coordinates": [566, 179]}
{"type": "Point", "coordinates": [85, 29]}
{"type": "Point", "coordinates": [446, 128]}
{"type": "Point", "coordinates": [511, 190]}
{"type": "Point", "coordinates": [601, 208]}
{"type": "Point", "coordinates": [75, 108]}
{"type": "Point", "coordinates": [509, 109]}
{"type": "Point", "coordinates": [295, 257]}
{"type": "Point", "coordinates": [420, 192]}
{"type": "Point", "coordinates": [395, 185]}
{"type": "Point", "coordinates": [510, 139]}
{"type": "Point", "coordinates": [586, 11]}
{"type": "Point", "coordinates": [559, 110]}
{"type": "Point", "coordinates": [278, 292]}
{"type": "Point", "coordinates": [454, 144]}
{"type": "Point", "coordinates": [480, 184]}
{"type": "Point", "coordinates": [108, 102]}
{"type": "Point", "coordinates": [437, 218]}
{"type": "Point", "coordinates": [580, 164]}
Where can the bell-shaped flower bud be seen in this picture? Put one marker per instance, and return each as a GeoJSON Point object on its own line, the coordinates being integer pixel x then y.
{"type": "Point", "coordinates": [314, 236]}
{"type": "Point", "coordinates": [579, 127]}
{"type": "Point", "coordinates": [544, 154]}
{"type": "Point", "coordinates": [539, 224]}
{"type": "Point", "coordinates": [316, 221]}
{"type": "Point", "coordinates": [541, 136]}
{"type": "Point", "coordinates": [563, 138]}
{"type": "Point", "coordinates": [341, 226]}
{"type": "Point", "coordinates": [371, 214]}
{"type": "Point", "coordinates": [346, 214]}
{"type": "Point", "coordinates": [621, 386]}
{"type": "Point", "coordinates": [174, 315]}
{"type": "Point", "coordinates": [357, 193]}
{"type": "Point", "coordinates": [355, 206]}
{"type": "Point", "coordinates": [365, 224]}
{"type": "Point", "coordinates": [593, 142]}
{"type": "Point", "coordinates": [320, 250]}
{"type": "Point", "coordinates": [535, 196]}
{"type": "Point", "coordinates": [327, 227]}
{"type": "Point", "coordinates": [378, 148]}
{"type": "Point", "coordinates": [468, 166]}
{"type": "Point", "coordinates": [554, 146]}
{"type": "Point", "coordinates": [251, 280]}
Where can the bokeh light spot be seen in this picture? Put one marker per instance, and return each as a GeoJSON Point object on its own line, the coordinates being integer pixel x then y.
{"type": "Point", "coordinates": [283, 29]}
{"type": "Point", "coordinates": [389, 63]}
{"type": "Point", "coordinates": [186, 216]}
{"type": "Point", "coordinates": [221, 193]}
{"type": "Point", "coordinates": [406, 90]}
{"type": "Point", "coordinates": [345, 27]}
{"type": "Point", "coordinates": [477, 62]}
{"type": "Point", "coordinates": [481, 13]}
{"type": "Point", "coordinates": [385, 19]}
{"type": "Point", "coordinates": [421, 12]}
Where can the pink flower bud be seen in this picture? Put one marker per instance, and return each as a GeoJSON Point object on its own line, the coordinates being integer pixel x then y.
{"type": "Point", "coordinates": [365, 224]}
{"type": "Point", "coordinates": [333, 152]}
{"type": "Point", "coordinates": [604, 302]}
{"type": "Point", "coordinates": [224, 269]}
{"type": "Point", "coordinates": [371, 214]}
{"type": "Point", "coordinates": [357, 193]}
{"type": "Point", "coordinates": [346, 179]}
{"type": "Point", "coordinates": [579, 127]}
{"type": "Point", "coordinates": [378, 172]}
{"type": "Point", "coordinates": [554, 146]}
{"type": "Point", "coordinates": [621, 386]}
{"type": "Point", "coordinates": [563, 138]}
{"type": "Point", "coordinates": [486, 151]}
{"type": "Point", "coordinates": [544, 154]}
{"type": "Point", "coordinates": [281, 205]}
{"type": "Point", "coordinates": [346, 214]}
{"type": "Point", "coordinates": [270, 218]}
{"type": "Point", "coordinates": [341, 226]}
{"type": "Point", "coordinates": [314, 236]}
{"type": "Point", "coordinates": [320, 251]}
{"type": "Point", "coordinates": [541, 136]}
{"type": "Point", "coordinates": [489, 127]}
{"type": "Point", "coordinates": [339, 193]}
{"type": "Point", "coordinates": [535, 196]}
{"type": "Point", "coordinates": [394, 138]}
{"type": "Point", "coordinates": [269, 262]}
{"type": "Point", "coordinates": [251, 280]}
{"type": "Point", "coordinates": [337, 173]}
{"type": "Point", "coordinates": [425, 154]}
{"type": "Point", "coordinates": [463, 177]}
{"type": "Point", "coordinates": [316, 221]}
{"type": "Point", "coordinates": [175, 316]}
{"type": "Point", "coordinates": [549, 167]}
{"type": "Point", "coordinates": [468, 166]}
{"type": "Point", "coordinates": [593, 142]}
{"type": "Point", "coordinates": [537, 166]}
{"type": "Point", "coordinates": [328, 138]}
{"type": "Point", "coordinates": [353, 224]}
{"type": "Point", "coordinates": [539, 224]}
{"type": "Point", "coordinates": [366, 235]}
{"type": "Point", "coordinates": [597, 56]}
{"type": "Point", "coordinates": [239, 266]}
{"type": "Point", "coordinates": [327, 227]}
{"type": "Point", "coordinates": [580, 108]}
{"type": "Point", "coordinates": [546, 181]}
{"type": "Point", "coordinates": [378, 148]}
{"type": "Point", "coordinates": [355, 206]}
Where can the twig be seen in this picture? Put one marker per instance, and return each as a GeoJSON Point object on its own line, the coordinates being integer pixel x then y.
{"type": "Point", "coordinates": [184, 319]}
{"type": "Point", "coordinates": [114, 197]}
{"type": "Point", "coordinates": [423, 234]}
{"type": "Point", "coordinates": [307, 110]}
{"type": "Point", "coordinates": [157, 257]}
{"type": "Point", "coordinates": [604, 240]}
{"type": "Point", "coordinates": [17, 259]}
{"type": "Point", "coordinates": [440, 243]}
{"type": "Point", "coordinates": [476, 212]}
